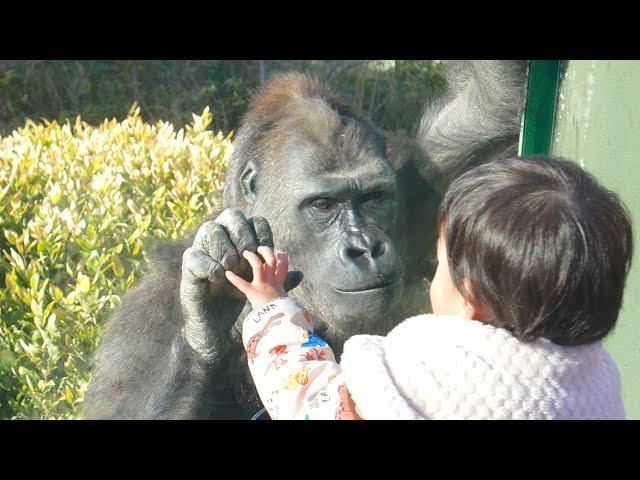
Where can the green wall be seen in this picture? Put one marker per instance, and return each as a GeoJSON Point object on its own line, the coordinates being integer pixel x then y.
{"type": "Point", "coordinates": [598, 125]}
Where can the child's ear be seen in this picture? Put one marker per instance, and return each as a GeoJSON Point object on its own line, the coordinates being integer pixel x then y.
{"type": "Point", "coordinates": [248, 181]}
{"type": "Point", "coordinates": [472, 307]}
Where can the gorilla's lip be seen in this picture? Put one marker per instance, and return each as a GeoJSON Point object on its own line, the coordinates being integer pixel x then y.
{"type": "Point", "coordinates": [379, 286]}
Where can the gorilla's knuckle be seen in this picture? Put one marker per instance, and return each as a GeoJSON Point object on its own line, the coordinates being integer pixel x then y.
{"type": "Point", "coordinates": [246, 241]}
{"type": "Point", "coordinates": [189, 256]}
{"type": "Point", "coordinates": [215, 270]}
{"type": "Point", "coordinates": [186, 254]}
{"type": "Point", "coordinates": [192, 261]}
{"type": "Point", "coordinates": [229, 258]}
{"type": "Point", "coordinates": [231, 217]}
{"type": "Point", "coordinates": [203, 232]}
{"type": "Point", "coordinates": [260, 223]}
{"type": "Point", "coordinates": [263, 230]}
{"type": "Point", "coordinates": [213, 239]}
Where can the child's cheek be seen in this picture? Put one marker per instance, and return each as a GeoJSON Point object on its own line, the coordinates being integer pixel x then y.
{"type": "Point", "coordinates": [434, 294]}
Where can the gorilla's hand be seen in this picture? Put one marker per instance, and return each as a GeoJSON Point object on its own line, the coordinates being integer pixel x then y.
{"type": "Point", "coordinates": [210, 304]}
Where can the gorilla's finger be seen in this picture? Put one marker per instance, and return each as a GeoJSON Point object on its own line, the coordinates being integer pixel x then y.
{"type": "Point", "coordinates": [201, 265]}
{"type": "Point", "coordinates": [239, 230]}
{"type": "Point", "coordinates": [263, 230]}
{"type": "Point", "coordinates": [213, 240]}
{"type": "Point", "coordinates": [292, 280]}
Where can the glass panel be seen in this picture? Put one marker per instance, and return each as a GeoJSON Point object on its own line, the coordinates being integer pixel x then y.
{"type": "Point", "coordinates": [597, 124]}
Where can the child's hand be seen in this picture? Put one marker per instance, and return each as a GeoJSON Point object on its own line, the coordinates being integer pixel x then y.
{"type": "Point", "coordinates": [268, 277]}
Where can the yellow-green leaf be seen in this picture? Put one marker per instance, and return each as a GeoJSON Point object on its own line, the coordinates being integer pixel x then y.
{"type": "Point", "coordinates": [68, 394]}
{"type": "Point", "coordinates": [18, 260]}
{"type": "Point", "coordinates": [117, 267]}
{"type": "Point", "coordinates": [11, 236]}
{"type": "Point", "coordinates": [83, 284]}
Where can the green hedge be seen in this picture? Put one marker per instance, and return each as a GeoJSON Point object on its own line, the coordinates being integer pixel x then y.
{"type": "Point", "coordinates": [391, 92]}
{"type": "Point", "coordinates": [77, 204]}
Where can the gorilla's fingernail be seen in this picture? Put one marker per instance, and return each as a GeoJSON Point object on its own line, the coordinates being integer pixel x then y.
{"type": "Point", "coordinates": [293, 279]}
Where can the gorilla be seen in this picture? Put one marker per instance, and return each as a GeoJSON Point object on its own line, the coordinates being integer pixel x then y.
{"type": "Point", "coordinates": [353, 207]}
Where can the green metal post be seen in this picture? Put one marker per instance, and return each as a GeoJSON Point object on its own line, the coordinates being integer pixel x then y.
{"type": "Point", "coordinates": [540, 107]}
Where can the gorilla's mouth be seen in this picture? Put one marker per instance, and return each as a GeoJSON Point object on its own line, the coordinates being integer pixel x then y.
{"type": "Point", "coordinates": [366, 289]}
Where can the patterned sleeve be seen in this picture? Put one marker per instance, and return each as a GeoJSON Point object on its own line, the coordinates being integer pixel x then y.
{"type": "Point", "coordinates": [294, 370]}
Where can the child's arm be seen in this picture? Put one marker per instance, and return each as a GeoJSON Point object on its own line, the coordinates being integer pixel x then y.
{"type": "Point", "coordinates": [295, 371]}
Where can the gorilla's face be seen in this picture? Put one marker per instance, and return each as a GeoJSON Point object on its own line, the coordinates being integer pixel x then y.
{"type": "Point", "coordinates": [333, 211]}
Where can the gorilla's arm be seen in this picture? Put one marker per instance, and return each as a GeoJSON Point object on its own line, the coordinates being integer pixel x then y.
{"type": "Point", "coordinates": [144, 366]}
{"type": "Point", "coordinates": [477, 119]}
{"type": "Point", "coordinates": [165, 351]}
{"type": "Point", "coordinates": [164, 348]}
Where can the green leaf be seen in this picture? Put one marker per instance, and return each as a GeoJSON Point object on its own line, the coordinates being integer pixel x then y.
{"type": "Point", "coordinates": [18, 260]}
{"type": "Point", "coordinates": [7, 359]}
{"type": "Point", "coordinates": [83, 284]}
{"type": "Point", "coordinates": [68, 395]}
{"type": "Point", "coordinates": [11, 236]}
{"type": "Point", "coordinates": [117, 267]}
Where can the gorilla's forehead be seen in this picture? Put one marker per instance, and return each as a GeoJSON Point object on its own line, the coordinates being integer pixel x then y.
{"type": "Point", "coordinates": [325, 171]}
{"type": "Point", "coordinates": [318, 142]}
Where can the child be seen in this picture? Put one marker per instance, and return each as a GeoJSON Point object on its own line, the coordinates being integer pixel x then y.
{"type": "Point", "coordinates": [532, 257]}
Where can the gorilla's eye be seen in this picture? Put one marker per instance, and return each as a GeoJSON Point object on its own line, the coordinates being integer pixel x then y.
{"type": "Point", "coordinates": [374, 196]}
{"type": "Point", "coordinates": [323, 204]}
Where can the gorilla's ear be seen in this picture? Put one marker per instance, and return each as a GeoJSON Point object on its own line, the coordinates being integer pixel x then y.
{"type": "Point", "coordinates": [248, 181]}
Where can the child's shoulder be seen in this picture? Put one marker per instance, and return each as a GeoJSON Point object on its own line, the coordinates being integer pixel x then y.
{"type": "Point", "coordinates": [441, 325]}
{"type": "Point", "coordinates": [426, 330]}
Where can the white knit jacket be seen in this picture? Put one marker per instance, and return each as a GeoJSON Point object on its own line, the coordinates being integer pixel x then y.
{"type": "Point", "coordinates": [437, 367]}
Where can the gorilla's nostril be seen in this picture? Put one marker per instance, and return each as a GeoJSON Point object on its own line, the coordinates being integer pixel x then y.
{"type": "Point", "coordinates": [378, 249]}
{"type": "Point", "coordinates": [355, 252]}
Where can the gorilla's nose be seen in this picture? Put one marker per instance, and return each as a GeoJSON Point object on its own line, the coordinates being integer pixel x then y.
{"type": "Point", "coordinates": [361, 246]}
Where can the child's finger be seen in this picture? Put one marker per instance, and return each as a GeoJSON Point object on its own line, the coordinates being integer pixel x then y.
{"type": "Point", "coordinates": [268, 274]}
{"type": "Point", "coordinates": [238, 282]}
{"type": "Point", "coordinates": [282, 267]}
{"type": "Point", "coordinates": [256, 265]}
{"type": "Point", "coordinates": [269, 257]}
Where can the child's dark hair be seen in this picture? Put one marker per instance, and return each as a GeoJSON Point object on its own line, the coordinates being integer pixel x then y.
{"type": "Point", "coordinates": [542, 246]}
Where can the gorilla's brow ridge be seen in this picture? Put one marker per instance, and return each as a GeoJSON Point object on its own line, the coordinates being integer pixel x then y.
{"type": "Point", "coordinates": [342, 185]}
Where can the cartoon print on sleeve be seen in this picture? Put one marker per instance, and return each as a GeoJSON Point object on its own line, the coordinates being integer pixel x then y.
{"type": "Point", "coordinates": [252, 344]}
{"type": "Point", "coordinates": [300, 377]}
{"type": "Point", "coordinates": [313, 340]}
{"type": "Point", "coordinates": [314, 354]}
{"type": "Point", "coordinates": [271, 402]}
{"type": "Point", "coordinates": [322, 396]}
{"type": "Point", "coordinates": [279, 359]}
